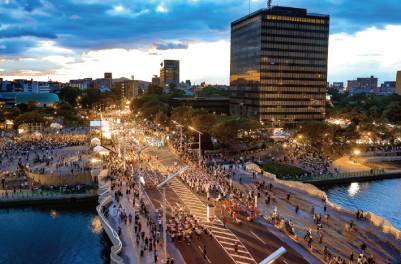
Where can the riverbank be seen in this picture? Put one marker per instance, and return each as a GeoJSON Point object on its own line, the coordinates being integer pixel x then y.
{"type": "Point", "coordinates": [350, 179]}
{"type": "Point", "coordinates": [382, 239]}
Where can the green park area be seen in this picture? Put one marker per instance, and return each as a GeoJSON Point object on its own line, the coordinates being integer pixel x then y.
{"type": "Point", "coordinates": [282, 169]}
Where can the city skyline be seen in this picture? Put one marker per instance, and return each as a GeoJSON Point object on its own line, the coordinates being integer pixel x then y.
{"type": "Point", "coordinates": [70, 39]}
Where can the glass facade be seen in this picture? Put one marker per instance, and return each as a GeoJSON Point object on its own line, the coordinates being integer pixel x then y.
{"type": "Point", "coordinates": [170, 73]}
{"type": "Point", "coordinates": [278, 67]}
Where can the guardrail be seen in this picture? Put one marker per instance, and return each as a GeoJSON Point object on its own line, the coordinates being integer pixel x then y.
{"type": "Point", "coordinates": [368, 164]}
{"type": "Point", "coordinates": [41, 193]}
{"type": "Point", "coordinates": [105, 199]}
{"type": "Point", "coordinates": [333, 176]}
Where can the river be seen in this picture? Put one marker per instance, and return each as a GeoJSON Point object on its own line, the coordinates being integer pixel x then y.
{"type": "Point", "coordinates": [64, 233]}
{"type": "Point", "coordinates": [380, 197]}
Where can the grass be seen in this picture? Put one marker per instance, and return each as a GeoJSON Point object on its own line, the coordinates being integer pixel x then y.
{"type": "Point", "coordinates": [282, 169]}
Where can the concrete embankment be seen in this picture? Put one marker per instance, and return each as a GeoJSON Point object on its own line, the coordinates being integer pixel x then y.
{"type": "Point", "coordinates": [373, 177]}
{"type": "Point", "coordinates": [28, 201]}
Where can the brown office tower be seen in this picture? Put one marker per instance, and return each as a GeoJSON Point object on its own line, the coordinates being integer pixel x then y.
{"type": "Point", "coordinates": [278, 67]}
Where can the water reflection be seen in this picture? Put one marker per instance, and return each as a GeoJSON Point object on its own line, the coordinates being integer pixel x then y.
{"type": "Point", "coordinates": [353, 189]}
{"type": "Point", "coordinates": [96, 226]}
{"type": "Point", "coordinates": [54, 214]}
{"type": "Point", "coordinates": [56, 233]}
{"type": "Point", "coordinates": [380, 197]}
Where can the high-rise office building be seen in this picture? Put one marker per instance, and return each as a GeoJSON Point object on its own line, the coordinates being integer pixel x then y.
{"type": "Point", "coordinates": [170, 72]}
{"type": "Point", "coordinates": [398, 83]}
{"type": "Point", "coordinates": [279, 65]}
{"type": "Point", "coordinates": [155, 80]}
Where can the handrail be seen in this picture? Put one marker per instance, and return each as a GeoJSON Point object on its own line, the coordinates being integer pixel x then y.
{"type": "Point", "coordinates": [114, 237]}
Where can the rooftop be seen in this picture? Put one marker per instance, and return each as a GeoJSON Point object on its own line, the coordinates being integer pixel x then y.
{"type": "Point", "coordinates": [38, 97]}
{"type": "Point", "coordinates": [282, 10]}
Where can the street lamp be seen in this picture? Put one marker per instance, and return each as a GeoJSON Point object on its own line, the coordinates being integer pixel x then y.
{"type": "Point", "coordinates": [163, 184]}
{"type": "Point", "coordinates": [200, 133]}
{"type": "Point", "coordinates": [356, 152]}
{"type": "Point", "coordinates": [139, 160]}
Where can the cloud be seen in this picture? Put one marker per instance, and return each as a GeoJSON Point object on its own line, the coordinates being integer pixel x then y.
{"type": "Point", "coordinates": [32, 5]}
{"type": "Point", "coordinates": [3, 46]}
{"type": "Point", "coordinates": [13, 32]}
{"type": "Point", "coordinates": [166, 46]}
{"type": "Point", "coordinates": [160, 8]}
{"type": "Point", "coordinates": [350, 55]}
{"type": "Point", "coordinates": [74, 17]}
{"type": "Point", "coordinates": [2, 69]}
{"type": "Point", "coordinates": [125, 12]}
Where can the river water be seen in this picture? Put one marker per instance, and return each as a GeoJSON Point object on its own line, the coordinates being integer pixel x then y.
{"type": "Point", "coordinates": [382, 198]}
{"type": "Point", "coordinates": [64, 233]}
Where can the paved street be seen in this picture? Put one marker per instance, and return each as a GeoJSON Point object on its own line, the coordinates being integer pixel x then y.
{"type": "Point", "coordinates": [256, 242]}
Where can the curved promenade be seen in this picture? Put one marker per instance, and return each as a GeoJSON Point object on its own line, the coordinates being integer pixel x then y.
{"type": "Point", "coordinates": [104, 199]}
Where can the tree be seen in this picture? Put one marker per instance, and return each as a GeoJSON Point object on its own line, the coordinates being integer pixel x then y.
{"type": "Point", "coordinates": [29, 117]}
{"type": "Point", "coordinates": [374, 112]}
{"type": "Point", "coordinates": [32, 104]}
{"type": "Point", "coordinates": [23, 107]}
{"type": "Point", "coordinates": [150, 90]}
{"type": "Point", "coordinates": [140, 92]}
{"type": "Point", "coordinates": [70, 94]}
{"type": "Point", "coordinates": [158, 90]}
{"type": "Point", "coordinates": [394, 112]}
{"type": "Point", "coordinates": [172, 87]}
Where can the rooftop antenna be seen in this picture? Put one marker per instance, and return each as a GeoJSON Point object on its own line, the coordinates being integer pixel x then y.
{"type": "Point", "coordinates": [269, 4]}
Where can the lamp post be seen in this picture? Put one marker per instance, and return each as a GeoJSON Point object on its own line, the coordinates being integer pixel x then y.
{"type": "Point", "coordinates": [180, 132]}
{"type": "Point", "coordinates": [139, 160]}
{"type": "Point", "coordinates": [163, 184]}
{"type": "Point", "coordinates": [200, 133]}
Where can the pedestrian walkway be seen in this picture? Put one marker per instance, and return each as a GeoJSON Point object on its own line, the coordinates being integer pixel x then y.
{"type": "Point", "coordinates": [131, 249]}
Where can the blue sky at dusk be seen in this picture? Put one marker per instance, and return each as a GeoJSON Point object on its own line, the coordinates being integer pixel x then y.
{"type": "Point", "coordinates": [69, 39]}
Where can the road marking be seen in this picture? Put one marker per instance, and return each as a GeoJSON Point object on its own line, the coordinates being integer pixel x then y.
{"type": "Point", "coordinates": [130, 235]}
{"type": "Point", "coordinates": [225, 233]}
{"type": "Point", "coordinates": [258, 237]}
{"type": "Point", "coordinates": [239, 256]}
{"type": "Point", "coordinates": [202, 205]}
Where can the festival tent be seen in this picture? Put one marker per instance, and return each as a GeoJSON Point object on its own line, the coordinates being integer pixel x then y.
{"type": "Point", "coordinates": [104, 151]}
{"type": "Point", "coordinates": [56, 125]}
{"type": "Point", "coordinates": [95, 141]}
{"type": "Point", "coordinates": [98, 148]}
{"type": "Point", "coordinates": [36, 133]}
{"type": "Point", "coordinates": [252, 167]}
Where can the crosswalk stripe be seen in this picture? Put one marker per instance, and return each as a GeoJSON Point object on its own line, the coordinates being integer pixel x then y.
{"type": "Point", "coordinates": [239, 256]}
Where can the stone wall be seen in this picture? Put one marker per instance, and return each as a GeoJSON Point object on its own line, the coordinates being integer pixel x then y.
{"type": "Point", "coordinates": [45, 179]}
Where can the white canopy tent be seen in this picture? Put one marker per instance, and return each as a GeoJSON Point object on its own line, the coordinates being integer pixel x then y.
{"type": "Point", "coordinates": [98, 148]}
{"type": "Point", "coordinates": [36, 133]}
{"type": "Point", "coordinates": [56, 125]}
{"type": "Point", "coordinates": [95, 141]}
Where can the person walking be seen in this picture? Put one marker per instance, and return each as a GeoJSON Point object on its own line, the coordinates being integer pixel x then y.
{"type": "Point", "coordinates": [204, 252]}
{"type": "Point", "coordinates": [236, 248]}
{"type": "Point", "coordinates": [156, 257]}
{"type": "Point", "coordinates": [224, 221]}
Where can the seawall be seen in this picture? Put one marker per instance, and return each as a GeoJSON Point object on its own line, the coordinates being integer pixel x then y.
{"type": "Point", "coordinates": [373, 177]}
{"type": "Point", "coordinates": [28, 201]}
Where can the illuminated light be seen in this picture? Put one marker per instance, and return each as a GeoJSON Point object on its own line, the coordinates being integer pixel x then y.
{"type": "Point", "coordinates": [356, 152]}
{"type": "Point", "coordinates": [353, 189]}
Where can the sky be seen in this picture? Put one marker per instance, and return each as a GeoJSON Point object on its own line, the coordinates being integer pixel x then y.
{"type": "Point", "coordinates": [71, 39]}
